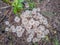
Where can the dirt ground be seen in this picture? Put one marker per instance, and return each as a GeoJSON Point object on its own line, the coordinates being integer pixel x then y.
{"type": "Point", "coordinates": [50, 9]}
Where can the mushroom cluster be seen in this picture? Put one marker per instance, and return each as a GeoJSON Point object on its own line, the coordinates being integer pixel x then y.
{"type": "Point", "coordinates": [33, 23]}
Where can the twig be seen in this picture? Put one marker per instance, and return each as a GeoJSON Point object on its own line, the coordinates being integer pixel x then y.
{"type": "Point", "coordinates": [5, 7]}
{"type": "Point", "coordinates": [4, 16]}
{"type": "Point", "coordinates": [45, 43]}
{"type": "Point", "coordinates": [8, 11]}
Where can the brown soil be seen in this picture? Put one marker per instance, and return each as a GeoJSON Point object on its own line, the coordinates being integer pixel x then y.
{"type": "Point", "coordinates": [49, 9]}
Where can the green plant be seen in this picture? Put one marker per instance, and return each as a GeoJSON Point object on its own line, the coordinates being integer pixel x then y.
{"type": "Point", "coordinates": [35, 43]}
{"type": "Point", "coordinates": [31, 4]}
{"type": "Point", "coordinates": [56, 42]}
{"type": "Point", "coordinates": [17, 5]}
{"type": "Point", "coordinates": [6, 1]}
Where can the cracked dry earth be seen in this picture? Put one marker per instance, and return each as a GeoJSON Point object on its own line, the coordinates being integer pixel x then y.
{"type": "Point", "coordinates": [9, 38]}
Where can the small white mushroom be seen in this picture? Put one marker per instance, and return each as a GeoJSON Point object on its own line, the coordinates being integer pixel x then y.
{"type": "Point", "coordinates": [7, 23]}
{"type": "Point", "coordinates": [29, 39]}
{"type": "Point", "coordinates": [16, 19]}
{"type": "Point", "coordinates": [37, 23]}
{"type": "Point", "coordinates": [19, 34]}
{"type": "Point", "coordinates": [20, 31]}
{"type": "Point", "coordinates": [27, 12]}
{"type": "Point", "coordinates": [31, 22]}
{"type": "Point", "coordinates": [13, 28]}
{"type": "Point", "coordinates": [35, 40]}
{"type": "Point", "coordinates": [38, 9]}
{"type": "Point", "coordinates": [34, 11]}
{"type": "Point", "coordinates": [24, 21]}
{"type": "Point", "coordinates": [46, 31]}
{"type": "Point", "coordinates": [7, 29]}
{"type": "Point", "coordinates": [18, 28]}
{"type": "Point", "coordinates": [26, 5]}
{"type": "Point", "coordinates": [31, 35]}
{"type": "Point", "coordinates": [41, 28]}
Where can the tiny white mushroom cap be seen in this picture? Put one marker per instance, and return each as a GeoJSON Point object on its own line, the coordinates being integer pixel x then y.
{"type": "Point", "coordinates": [27, 26]}
{"type": "Point", "coordinates": [35, 40]}
{"type": "Point", "coordinates": [31, 35]}
{"type": "Point", "coordinates": [24, 21]}
{"type": "Point", "coordinates": [39, 35]}
{"type": "Point", "coordinates": [7, 29]}
{"type": "Point", "coordinates": [7, 23]}
{"type": "Point", "coordinates": [29, 39]}
{"type": "Point", "coordinates": [26, 5]}
{"type": "Point", "coordinates": [41, 28]}
{"type": "Point", "coordinates": [39, 15]}
{"type": "Point", "coordinates": [28, 31]}
{"type": "Point", "coordinates": [27, 12]}
{"type": "Point", "coordinates": [19, 34]}
{"type": "Point", "coordinates": [16, 19]}
{"type": "Point", "coordinates": [37, 23]}
{"type": "Point", "coordinates": [43, 35]}
{"type": "Point", "coordinates": [38, 9]}
{"type": "Point", "coordinates": [13, 28]}
{"type": "Point", "coordinates": [18, 28]}
{"type": "Point", "coordinates": [34, 11]}
{"type": "Point", "coordinates": [46, 32]}
{"type": "Point", "coordinates": [31, 22]}
{"type": "Point", "coordinates": [45, 22]}
{"type": "Point", "coordinates": [35, 16]}
{"type": "Point", "coordinates": [20, 31]}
